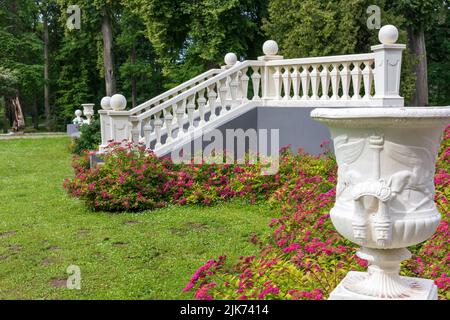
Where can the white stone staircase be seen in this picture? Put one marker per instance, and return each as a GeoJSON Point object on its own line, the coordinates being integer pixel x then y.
{"type": "Point", "coordinates": [219, 95]}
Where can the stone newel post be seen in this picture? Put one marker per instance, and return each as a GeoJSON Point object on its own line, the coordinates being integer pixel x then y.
{"type": "Point", "coordinates": [388, 65]}
{"type": "Point", "coordinates": [105, 122]}
{"type": "Point", "coordinates": [270, 49]}
{"type": "Point", "coordinates": [385, 191]}
{"type": "Point", "coordinates": [120, 119]}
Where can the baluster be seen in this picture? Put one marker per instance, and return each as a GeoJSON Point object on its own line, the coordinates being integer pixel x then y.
{"type": "Point", "coordinates": [223, 91]}
{"type": "Point", "coordinates": [190, 111]}
{"type": "Point", "coordinates": [147, 131]}
{"type": "Point", "coordinates": [180, 117]}
{"type": "Point", "coordinates": [168, 120]}
{"type": "Point", "coordinates": [158, 125]}
{"type": "Point", "coordinates": [368, 79]}
{"type": "Point", "coordinates": [244, 84]}
{"type": "Point", "coordinates": [256, 80]}
{"type": "Point", "coordinates": [234, 84]}
{"type": "Point", "coordinates": [164, 116]}
{"type": "Point", "coordinates": [135, 130]}
{"type": "Point", "coordinates": [345, 76]}
{"type": "Point", "coordinates": [277, 83]}
{"type": "Point", "coordinates": [227, 84]}
{"type": "Point", "coordinates": [212, 97]}
{"type": "Point", "coordinates": [356, 80]}
{"type": "Point", "coordinates": [305, 78]}
{"type": "Point", "coordinates": [201, 101]}
{"type": "Point", "coordinates": [335, 80]}
{"type": "Point", "coordinates": [286, 83]}
{"type": "Point", "coordinates": [295, 76]}
{"type": "Point", "coordinates": [315, 80]}
{"type": "Point", "coordinates": [325, 82]}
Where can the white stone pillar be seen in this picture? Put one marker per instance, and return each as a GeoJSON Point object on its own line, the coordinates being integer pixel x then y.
{"type": "Point", "coordinates": [270, 49]}
{"type": "Point", "coordinates": [388, 66]}
{"type": "Point", "coordinates": [105, 123]}
{"type": "Point", "coordinates": [120, 119]}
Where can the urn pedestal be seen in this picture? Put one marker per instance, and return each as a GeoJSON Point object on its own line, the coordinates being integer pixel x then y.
{"type": "Point", "coordinates": [385, 193]}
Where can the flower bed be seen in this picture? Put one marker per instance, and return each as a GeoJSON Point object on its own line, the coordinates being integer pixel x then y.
{"type": "Point", "coordinates": [304, 258]}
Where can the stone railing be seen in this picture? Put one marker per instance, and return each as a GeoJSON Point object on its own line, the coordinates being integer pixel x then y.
{"type": "Point", "coordinates": [218, 95]}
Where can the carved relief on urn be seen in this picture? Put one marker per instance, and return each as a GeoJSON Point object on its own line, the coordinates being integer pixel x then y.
{"type": "Point", "coordinates": [385, 191]}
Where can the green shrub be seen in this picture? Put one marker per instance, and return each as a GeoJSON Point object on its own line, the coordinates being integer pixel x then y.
{"type": "Point", "coordinates": [89, 139]}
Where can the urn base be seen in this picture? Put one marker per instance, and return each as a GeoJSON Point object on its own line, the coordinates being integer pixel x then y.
{"type": "Point", "coordinates": [426, 289]}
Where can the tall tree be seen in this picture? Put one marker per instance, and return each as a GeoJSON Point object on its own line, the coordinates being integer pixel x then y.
{"type": "Point", "coordinates": [305, 28]}
{"type": "Point", "coordinates": [108, 56]}
{"type": "Point", "coordinates": [438, 57]}
{"type": "Point", "coordinates": [21, 52]}
{"type": "Point", "coordinates": [420, 15]}
{"type": "Point", "coordinates": [191, 36]}
{"type": "Point", "coordinates": [138, 72]}
{"type": "Point", "coordinates": [44, 11]}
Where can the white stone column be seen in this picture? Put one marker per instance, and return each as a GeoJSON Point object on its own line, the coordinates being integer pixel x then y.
{"type": "Point", "coordinates": [120, 119]}
{"type": "Point", "coordinates": [388, 66]}
{"type": "Point", "coordinates": [105, 123]}
{"type": "Point", "coordinates": [270, 49]}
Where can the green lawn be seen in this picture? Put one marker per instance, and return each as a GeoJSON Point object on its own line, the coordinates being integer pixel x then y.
{"type": "Point", "coordinates": [148, 255]}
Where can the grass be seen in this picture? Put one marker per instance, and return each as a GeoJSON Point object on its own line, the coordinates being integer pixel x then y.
{"type": "Point", "coordinates": [149, 255]}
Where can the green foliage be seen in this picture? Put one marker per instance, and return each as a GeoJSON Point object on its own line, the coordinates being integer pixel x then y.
{"type": "Point", "coordinates": [158, 44]}
{"type": "Point", "coordinates": [192, 36]}
{"type": "Point", "coordinates": [307, 28]}
{"type": "Point", "coordinates": [438, 52]}
{"type": "Point", "coordinates": [89, 139]}
{"type": "Point", "coordinates": [21, 49]}
{"type": "Point", "coordinates": [8, 81]}
{"type": "Point", "coordinates": [419, 14]}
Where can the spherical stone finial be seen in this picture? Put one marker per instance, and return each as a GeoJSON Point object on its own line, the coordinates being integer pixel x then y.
{"type": "Point", "coordinates": [388, 34]}
{"type": "Point", "coordinates": [118, 102]}
{"type": "Point", "coordinates": [105, 103]}
{"type": "Point", "coordinates": [230, 59]}
{"type": "Point", "coordinates": [78, 113]}
{"type": "Point", "coordinates": [270, 48]}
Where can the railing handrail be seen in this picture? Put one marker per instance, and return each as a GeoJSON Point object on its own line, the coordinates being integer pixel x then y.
{"type": "Point", "coordinates": [248, 63]}
{"type": "Point", "coordinates": [172, 91]}
{"type": "Point", "coordinates": [320, 60]}
{"type": "Point", "coordinates": [323, 81]}
{"type": "Point", "coordinates": [183, 95]}
{"type": "Point", "coordinates": [289, 62]}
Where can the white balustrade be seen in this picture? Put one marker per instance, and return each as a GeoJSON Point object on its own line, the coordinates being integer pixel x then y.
{"type": "Point", "coordinates": [370, 79]}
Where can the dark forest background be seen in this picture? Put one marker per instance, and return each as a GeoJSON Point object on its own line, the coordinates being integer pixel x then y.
{"type": "Point", "coordinates": [142, 47]}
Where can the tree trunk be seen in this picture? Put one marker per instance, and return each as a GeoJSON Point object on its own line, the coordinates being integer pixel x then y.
{"type": "Point", "coordinates": [46, 79]}
{"type": "Point", "coordinates": [5, 114]}
{"type": "Point", "coordinates": [36, 113]}
{"type": "Point", "coordinates": [19, 122]}
{"type": "Point", "coordinates": [418, 48]}
{"type": "Point", "coordinates": [108, 62]}
{"type": "Point", "coordinates": [133, 79]}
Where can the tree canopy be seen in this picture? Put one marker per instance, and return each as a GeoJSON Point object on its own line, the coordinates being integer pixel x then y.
{"type": "Point", "coordinates": [157, 44]}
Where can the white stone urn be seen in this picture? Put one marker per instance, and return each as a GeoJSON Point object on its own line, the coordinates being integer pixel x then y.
{"type": "Point", "coordinates": [385, 193]}
{"type": "Point", "coordinates": [88, 111]}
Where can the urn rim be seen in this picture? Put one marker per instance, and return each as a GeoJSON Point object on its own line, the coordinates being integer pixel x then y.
{"type": "Point", "coordinates": [387, 116]}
